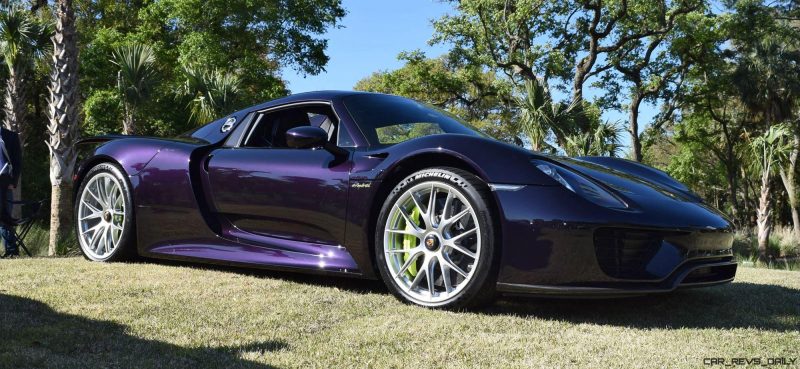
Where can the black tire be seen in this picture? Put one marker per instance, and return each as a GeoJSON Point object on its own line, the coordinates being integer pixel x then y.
{"type": "Point", "coordinates": [480, 289]}
{"type": "Point", "coordinates": [126, 248]}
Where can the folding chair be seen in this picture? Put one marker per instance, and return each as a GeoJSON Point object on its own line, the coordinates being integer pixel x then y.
{"type": "Point", "coordinates": [24, 224]}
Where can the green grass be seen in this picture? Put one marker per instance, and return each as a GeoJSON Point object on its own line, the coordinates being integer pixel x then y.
{"type": "Point", "coordinates": [67, 312]}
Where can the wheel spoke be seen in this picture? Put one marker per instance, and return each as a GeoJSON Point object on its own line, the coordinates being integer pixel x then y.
{"type": "Point", "coordinates": [431, 202]}
{"type": "Point", "coordinates": [408, 219]}
{"type": "Point", "coordinates": [457, 217]}
{"type": "Point", "coordinates": [462, 235]}
{"type": "Point", "coordinates": [416, 202]}
{"type": "Point", "coordinates": [96, 197]}
{"type": "Point", "coordinates": [417, 279]}
{"type": "Point", "coordinates": [103, 242]}
{"type": "Point", "coordinates": [92, 208]}
{"type": "Point", "coordinates": [453, 266]}
{"type": "Point", "coordinates": [406, 232]}
{"type": "Point", "coordinates": [462, 250]}
{"type": "Point", "coordinates": [447, 201]}
{"type": "Point", "coordinates": [429, 271]}
{"type": "Point", "coordinates": [94, 237]}
{"type": "Point", "coordinates": [93, 215]}
{"type": "Point", "coordinates": [109, 239]}
{"type": "Point", "coordinates": [101, 191]}
{"type": "Point", "coordinates": [448, 284]}
{"type": "Point", "coordinates": [411, 259]}
{"type": "Point", "coordinates": [404, 251]}
{"type": "Point", "coordinates": [93, 228]}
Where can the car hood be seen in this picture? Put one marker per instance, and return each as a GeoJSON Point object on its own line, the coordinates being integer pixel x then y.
{"type": "Point", "coordinates": [630, 178]}
{"type": "Point", "coordinates": [648, 190]}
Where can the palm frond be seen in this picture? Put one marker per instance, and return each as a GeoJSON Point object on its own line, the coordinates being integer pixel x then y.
{"type": "Point", "coordinates": [137, 71]}
{"type": "Point", "coordinates": [23, 38]}
{"type": "Point", "coordinates": [212, 93]}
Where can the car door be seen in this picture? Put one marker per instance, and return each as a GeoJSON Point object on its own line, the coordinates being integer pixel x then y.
{"type": "Point", "coordinates": [264, 191]}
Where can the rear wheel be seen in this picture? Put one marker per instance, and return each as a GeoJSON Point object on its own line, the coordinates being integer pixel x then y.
{"type": "Point", "coordinates": [435, 240]}
{"type": "Point", "coordinates": [104, 215]}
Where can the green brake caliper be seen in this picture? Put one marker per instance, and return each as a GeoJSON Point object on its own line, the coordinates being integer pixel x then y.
{"type": "Point", "coordinates": [409, 242]}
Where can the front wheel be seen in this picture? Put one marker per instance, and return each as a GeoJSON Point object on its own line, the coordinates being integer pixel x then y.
{"type": "Point", "coordinates": [104, 215]}
{"type": "Point", "coordinates": [435, 240]}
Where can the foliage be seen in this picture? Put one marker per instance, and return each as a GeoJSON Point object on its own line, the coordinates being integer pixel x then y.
{"type": "Point", "coordinates": [185, 34]}
{"type": "Point", "coordinates": [540, 117]}
{"type": "Point", "coordinates": [479, 97]}
{"type": "Point", "coordinates": [135, 79]}
{"type": "Point", "coordinates": [212, 93]}
{"type": "Point", "coordinates": [23, 37]}
{"type": "Point", "coordinates": [603, 140]}
{"type": "Point", "coordinates": [771, 147]}
{"type": "Point", "coordinates": [103, 113]}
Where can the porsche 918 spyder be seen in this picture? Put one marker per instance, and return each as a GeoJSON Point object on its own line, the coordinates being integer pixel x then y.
{"type": "Point", "coordinates": [380, 186]}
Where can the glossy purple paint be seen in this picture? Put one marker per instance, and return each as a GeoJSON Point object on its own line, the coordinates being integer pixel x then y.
{"type": "Point", "coordinates": [200, 198]}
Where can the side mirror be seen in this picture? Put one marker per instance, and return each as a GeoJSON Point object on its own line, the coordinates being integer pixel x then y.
{"type": "Point", "coordinates": [306, 137]}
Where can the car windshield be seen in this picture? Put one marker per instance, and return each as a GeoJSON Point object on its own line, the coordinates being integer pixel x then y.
{"type": "Point", "coordinates": [387, 119]}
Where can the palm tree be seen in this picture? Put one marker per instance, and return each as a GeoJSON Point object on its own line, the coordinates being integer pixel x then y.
{"type": "Point", "coordinates": [22, 41]}
{"type": "Point", "coordinates": [602, 140]}
{"type": "Point", "coordinates": [768, 81]}
{"type": "Point", "coordinates": [769, 149]}
{"type": "Point", "coordinates": [213, 93]}
{"type": "Point", "coordinates": [539, 115]}
{"type": "Point", "coordinates": [63, 125]}
{"type": "Point", "coordinates": [135, 80]}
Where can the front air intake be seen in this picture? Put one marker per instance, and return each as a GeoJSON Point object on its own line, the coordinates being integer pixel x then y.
{"type": "Point", "coordinates": [626, 254]}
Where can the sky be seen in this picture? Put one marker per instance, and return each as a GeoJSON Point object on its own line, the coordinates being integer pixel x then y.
{"type": "Point", "coordinates": [373, 33]}
{"type": "Point", "coordinates": [371, 36]}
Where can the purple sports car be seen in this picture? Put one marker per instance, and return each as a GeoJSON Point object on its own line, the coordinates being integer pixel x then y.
{"type": "Point", "coordinates": [379, 186]}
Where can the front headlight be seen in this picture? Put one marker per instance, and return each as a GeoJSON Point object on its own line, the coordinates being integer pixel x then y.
{"type": "Point", "coordinates": [580, 185]}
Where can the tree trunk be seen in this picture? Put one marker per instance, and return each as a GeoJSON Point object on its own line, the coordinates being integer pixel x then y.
{"type": "Point", "coordinates": [763, 214]}
{"type": "Point", "coordinates": [14, 104]}
{"type": "Point", "coordinates": [63, 124]}
{"type": "Point", "coordinates": [128, 124]}
{"type": "Point", "coordinates": [60, 217]}
{"type": "Point", "coordinates": [731, 171]}
{"type": "Point", "coordinates": [790, 183]}
{"type": "Point", "coordinates": [636, 145]}
{"type": "Point", "coordinates": [15, 115]}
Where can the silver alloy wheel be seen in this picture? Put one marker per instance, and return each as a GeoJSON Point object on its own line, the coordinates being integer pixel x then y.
{"type": "Point", "coordinates": [101, 216]}
{"type": "Point", "coordinates": [432, 243]}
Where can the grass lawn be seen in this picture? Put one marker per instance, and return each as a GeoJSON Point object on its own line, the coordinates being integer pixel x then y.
{"type": "Point", "coordinates": [72, 313]}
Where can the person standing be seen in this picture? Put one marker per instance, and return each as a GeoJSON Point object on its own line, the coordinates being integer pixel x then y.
{"type": "Point", "coordinates": [10, 171]}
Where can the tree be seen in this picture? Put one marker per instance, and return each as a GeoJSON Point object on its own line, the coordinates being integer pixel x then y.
{"type": "Point", "coordinates": [602, 140]}
{"type": "Point", "coordinates": [21, 42]}
{"type": "Point", "coordinates": [540, 116]}
{"type": "Point", "coordinates": [135, 80]}
{"type": "Point", "coordinates": [768, 82]}
{"type": "Point", "coordinates": [212, 93]}
{"type": "Point", "coordinates": [476, 96]}
{"type": "Point", "coordinates": [769, 149]}
{"type": "Point", "coordinates": [63, 125]}
{"type": "Point", "coordinates": [649, 65]}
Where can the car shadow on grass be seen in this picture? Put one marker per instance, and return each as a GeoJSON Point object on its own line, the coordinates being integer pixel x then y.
{"type": "Point", "coordinates": [736, 305]}
{"type": "Point", "coordinates": [32, 335]}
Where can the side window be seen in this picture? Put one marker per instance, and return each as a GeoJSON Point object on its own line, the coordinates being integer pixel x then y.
{"type": "Point", "coordinates": [268, 130]}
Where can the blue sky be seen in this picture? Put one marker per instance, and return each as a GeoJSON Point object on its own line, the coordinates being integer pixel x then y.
{"type": "Point", "coordinates": [374, 32]}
